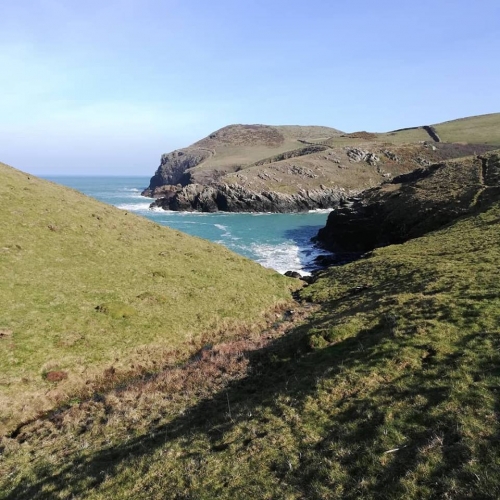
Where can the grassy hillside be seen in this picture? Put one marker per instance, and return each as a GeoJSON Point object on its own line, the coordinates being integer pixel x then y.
{"type": "Point", "coordinates": [238, 145]}
{"type": "Point", "coordinates": [90, 294]}
{"type": "Point", "coordinates": [484, 129]}
{"type": "Point", "coordinates": [288, 159]}
{"type": "Point", "coordinates": [389, 390]}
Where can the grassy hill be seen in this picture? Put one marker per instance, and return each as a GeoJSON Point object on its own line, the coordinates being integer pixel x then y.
{"type": "Point", "coordinates": [287, 159]}
{"type": "Point", "coordinates": [90, 294]}
{"type": "Point", "coordinates": [484, 129]}
{"type": "Point", "coordinates": [382, 382]}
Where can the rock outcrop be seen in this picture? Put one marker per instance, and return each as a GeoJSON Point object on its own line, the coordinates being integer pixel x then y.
{"type": "Point", "coordinates": [235, 198]}
{"type": "Point", "coordinates": [413, 204]}
{"type": "Point", "coordinates": [172, 169]}
{"type": "Point", "coordinates": [289, 168]}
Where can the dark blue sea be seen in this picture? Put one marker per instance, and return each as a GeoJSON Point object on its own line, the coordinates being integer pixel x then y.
{"type": "Point", "coordinates": [279, 241]}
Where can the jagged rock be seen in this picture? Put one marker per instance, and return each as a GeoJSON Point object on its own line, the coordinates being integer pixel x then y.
{"type": "Point", "coordinates": [424, 162]}
{"type": "Point", "coordinates": [305, 172]}
{"type": "Point", "coordinates": [391, 155]}
{"type": "Point", "coordinates": [235, 198]}
{"type": "Point", "coordinates": [357, 155]}
{"type": "Point", "coordinates": [172, 169]}
{"type": "Point", "coordinates": [293, 274]}
{"type": "Point", "coordinates": [413, 204]}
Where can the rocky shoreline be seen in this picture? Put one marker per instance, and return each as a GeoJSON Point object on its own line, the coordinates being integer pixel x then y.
{"type": "Point", "coordinates": [235, 198]}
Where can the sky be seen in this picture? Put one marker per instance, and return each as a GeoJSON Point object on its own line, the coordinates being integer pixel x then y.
{"type": "Point", "coordinates": [106, 87]}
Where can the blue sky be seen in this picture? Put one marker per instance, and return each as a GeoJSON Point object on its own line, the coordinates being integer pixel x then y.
{"type": "Point", "coordinates": [106, 87]}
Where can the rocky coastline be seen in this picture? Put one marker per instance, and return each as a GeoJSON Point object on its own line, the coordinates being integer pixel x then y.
{"type": "Point", "coordinates": [235, 198]}
{"type": "Point", "coordinates": [413, 204]}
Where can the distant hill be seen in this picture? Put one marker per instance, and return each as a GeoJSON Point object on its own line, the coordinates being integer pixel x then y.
{"type": "Point", "coordinates": [290, 159]}
{"type": "Point", "coordinates": [90, 294]}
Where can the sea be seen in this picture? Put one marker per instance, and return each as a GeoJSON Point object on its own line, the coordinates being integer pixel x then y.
{"type": "Point", "coordinates": [278, 241]}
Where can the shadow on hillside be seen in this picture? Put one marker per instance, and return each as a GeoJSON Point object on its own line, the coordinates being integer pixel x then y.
{"type": "Point", "coordinates": [357, 421]}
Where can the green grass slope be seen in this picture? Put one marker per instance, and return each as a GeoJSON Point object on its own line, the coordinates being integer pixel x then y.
{"type": "Point", "coordinates": [236, 146]}
{"type": "Point", "coordinates": [86, 287]}
{"type": "Point", "coordinates": [483, 129]}
{"type": "Point", "coordinates": [390, 390]}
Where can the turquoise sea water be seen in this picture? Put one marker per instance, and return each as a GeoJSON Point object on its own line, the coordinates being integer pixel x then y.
{"type": "Point", "coordinates": [278, 241]}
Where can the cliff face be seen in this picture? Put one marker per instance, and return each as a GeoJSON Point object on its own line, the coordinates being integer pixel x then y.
{"type": "Point", "coordinates": [173, 166]}
{"type": "Point", "coordinates": [259, 167]}
{"type": "Point", "coordinates": [231, 149]}
{"type": "Point", "coordinates": [234, 198]}
{"type": "Point", "coordinates": [414, 204]}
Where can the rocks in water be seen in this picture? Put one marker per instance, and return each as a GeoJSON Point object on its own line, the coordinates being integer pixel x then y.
{"type": "Point", "coordinates": [235, 198]}
{"type": "Point", "coordinates": [413, 204]}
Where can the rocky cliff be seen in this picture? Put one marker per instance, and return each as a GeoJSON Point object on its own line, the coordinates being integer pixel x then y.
{"type": "Point", "coordinates": [235, 198]}
{"type": "Point", "coordinates": [413, 204]}
{"type": "Point", "coordinates": [289, 168]}
{"type": "Point", "coordinates": [173, 167]}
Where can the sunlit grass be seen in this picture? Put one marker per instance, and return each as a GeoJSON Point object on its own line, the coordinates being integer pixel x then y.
{"type": "Point", "coordinates": [390, 390]}
{"type": "Point", "coordinates": [85, 286]}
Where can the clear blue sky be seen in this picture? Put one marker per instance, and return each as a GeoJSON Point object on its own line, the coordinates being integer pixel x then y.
{"type": "Point", "coordinates": [108, 86]}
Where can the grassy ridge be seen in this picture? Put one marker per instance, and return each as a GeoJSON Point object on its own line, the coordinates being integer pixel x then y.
{"type": "Point", "coordinates": [483, 129]}
{"type": "Point", "coordinates": [390, 390]}
{"type": "Point", "coordinates": [86, 287]}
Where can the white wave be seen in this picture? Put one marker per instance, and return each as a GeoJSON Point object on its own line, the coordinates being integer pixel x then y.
{"type": "Point", "coordinates": [185, 222]}
{"type": "Point", "coordinates": [223, 228]}
{"type": "Point", "coordinates": [321, 211]}
{"type": "Point", "coordinates": [183, 213]}
{"type": "Point", "coordinates": [133, 190]}
{"type": "Point", "coordinates": [134, 207]}
{"type": "Point", "coordinates": [283, 257]}
{"type": "Point", "coordinates": [288, 257]}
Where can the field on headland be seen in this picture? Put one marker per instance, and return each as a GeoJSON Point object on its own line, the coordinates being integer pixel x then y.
{"type": "Point", "coordinates": [233, 168]}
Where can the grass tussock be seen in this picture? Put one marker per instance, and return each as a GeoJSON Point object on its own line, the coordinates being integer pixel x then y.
{"type": "Point", "coordinates": [86, 286]}
{"type": "Point", "coordinates": [389, 390]}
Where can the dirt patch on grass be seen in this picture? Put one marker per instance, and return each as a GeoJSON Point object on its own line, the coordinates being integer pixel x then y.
{"type": "Point", "coordinates": [5, 334]}
{"type": "Point", "coordinates": [56, 376]}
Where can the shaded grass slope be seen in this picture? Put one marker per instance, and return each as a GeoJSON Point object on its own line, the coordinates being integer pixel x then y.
{"type": "Point", "coordinates": [390, 390]}
{"type": "Point", "coordinates": [86, 288]}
